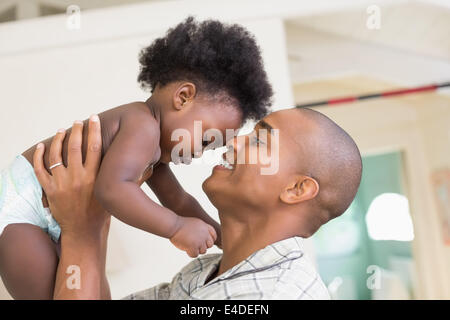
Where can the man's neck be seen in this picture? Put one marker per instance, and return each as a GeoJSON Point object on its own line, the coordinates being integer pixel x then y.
{"type": "Point", "coordinates": [240, 239]}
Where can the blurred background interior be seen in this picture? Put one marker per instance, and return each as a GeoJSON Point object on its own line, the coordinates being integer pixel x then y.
{"type": "Point", "coordinates": [62, 60]}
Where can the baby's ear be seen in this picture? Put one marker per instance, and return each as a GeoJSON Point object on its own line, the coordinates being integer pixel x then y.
{"type": "Point", "coordinates": [184, 94]}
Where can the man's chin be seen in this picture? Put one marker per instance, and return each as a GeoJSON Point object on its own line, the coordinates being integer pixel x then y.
{"type": "Point", "coordinates": [218, 182]}
{"type": "Point", "coordinates": [211, 186]}
{"type": "Point", "coordinates": [206, 185]}
{"type": "Point", "coordinates": [212, 191]}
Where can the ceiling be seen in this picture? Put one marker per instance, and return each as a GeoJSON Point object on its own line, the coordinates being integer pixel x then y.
{"type": "Point", "coordinates": [12, 10]}
{"type": "Point", "coordinates": [419, 27]}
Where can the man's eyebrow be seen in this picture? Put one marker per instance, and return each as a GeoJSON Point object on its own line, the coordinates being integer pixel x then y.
{"type": "Point", "coordinates": [265, 125]}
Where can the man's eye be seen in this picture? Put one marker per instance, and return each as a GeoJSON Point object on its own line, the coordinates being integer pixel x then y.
{"type": "Point", "coordinates": [255, 140]}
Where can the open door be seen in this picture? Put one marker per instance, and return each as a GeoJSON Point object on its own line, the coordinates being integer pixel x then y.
{"type": "Point", "coordinates": [366, 253]}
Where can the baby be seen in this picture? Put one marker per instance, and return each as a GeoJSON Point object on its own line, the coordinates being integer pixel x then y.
{"type": "Point", "coordinates": [208, 72]}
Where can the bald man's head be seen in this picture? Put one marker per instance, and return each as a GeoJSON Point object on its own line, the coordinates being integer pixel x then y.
{"type": "Point", "coordinates": [317, 176]}
{"type": "Point", "coordinates": [329, 155]}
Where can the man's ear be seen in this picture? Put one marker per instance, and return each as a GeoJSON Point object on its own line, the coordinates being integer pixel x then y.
{"type": "Point", "coordinates": [301, 189]}
{"type": "Point", "coordinates": [183, 95]}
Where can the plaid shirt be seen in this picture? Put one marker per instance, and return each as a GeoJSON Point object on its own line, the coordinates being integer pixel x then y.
{"type": "Point", "coordinates": [279, 271]}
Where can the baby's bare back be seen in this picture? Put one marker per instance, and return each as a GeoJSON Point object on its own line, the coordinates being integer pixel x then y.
{"type": "Point", "coordinates": [110, 123]}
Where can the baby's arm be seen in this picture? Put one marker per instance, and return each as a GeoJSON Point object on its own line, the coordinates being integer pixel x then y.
{"type": "Point", "coordinates": [118, 190]}
{"type": "Point", "coordinates": [117, 186]}
{"type": "Point", "coordinates": [172, 195]}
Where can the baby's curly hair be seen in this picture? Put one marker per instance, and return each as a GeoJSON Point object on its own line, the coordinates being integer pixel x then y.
{"type": "Point", "coordinates": [216, 57]}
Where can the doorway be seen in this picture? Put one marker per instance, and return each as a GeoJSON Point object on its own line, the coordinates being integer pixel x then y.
{"type": "Point", "coordinates": [366, 253]}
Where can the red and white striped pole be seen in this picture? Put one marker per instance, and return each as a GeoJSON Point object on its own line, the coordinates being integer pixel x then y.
{"type": "Point", "coordinates": [391, 93]}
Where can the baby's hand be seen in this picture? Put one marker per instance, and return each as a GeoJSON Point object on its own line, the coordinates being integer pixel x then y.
{"type": "Point", "coordinates": [193, 236]}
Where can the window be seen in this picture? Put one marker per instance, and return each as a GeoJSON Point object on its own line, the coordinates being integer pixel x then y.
{"type": "Point", "coordinates": [388, 218]}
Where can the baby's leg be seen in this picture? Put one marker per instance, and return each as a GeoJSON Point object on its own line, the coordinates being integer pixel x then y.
{"type": "Point", "coordinates": [28, 261]}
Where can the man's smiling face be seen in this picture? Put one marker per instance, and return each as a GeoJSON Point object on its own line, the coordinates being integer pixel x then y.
{"type": "Point", "coordinates": [246, 180]}
{"type": "Point", "coordinates": [319, 171]}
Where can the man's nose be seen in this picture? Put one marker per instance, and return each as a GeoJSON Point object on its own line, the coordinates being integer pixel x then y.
{"type": "Point", "coordinates": [231, 148]}
{"type": "Point", "coordinates": [237, 146]}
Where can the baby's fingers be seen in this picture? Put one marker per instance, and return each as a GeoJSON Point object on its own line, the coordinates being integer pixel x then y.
{"type": "Point", "coordinates": [193, 253]}
{"type": "Point", "coordinates": [212, 232]}
{"type": "Point", "coordinates": [210, 242]}
{"type": "Point", "coordinates": [203, 249]}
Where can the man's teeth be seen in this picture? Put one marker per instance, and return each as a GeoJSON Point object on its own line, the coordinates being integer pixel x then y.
{"type": "Point", "coordinates": [186, 160]}
{"type": "Point", "coordinates": [226, 164]}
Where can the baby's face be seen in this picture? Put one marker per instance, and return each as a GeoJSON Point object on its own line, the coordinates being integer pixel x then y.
{"type": "Point", "coordinates": [183, 131]}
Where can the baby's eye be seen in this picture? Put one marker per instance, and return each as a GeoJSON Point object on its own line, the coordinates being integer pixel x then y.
{"type": "Point", "coordinates": [205, 143]}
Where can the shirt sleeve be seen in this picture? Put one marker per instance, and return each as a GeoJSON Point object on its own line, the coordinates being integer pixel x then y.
{"type": "Point", "coordinates": [158, 292]}
{"type": "Point", "coordinates": [292, 287]}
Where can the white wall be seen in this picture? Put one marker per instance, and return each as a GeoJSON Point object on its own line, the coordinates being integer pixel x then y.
{"type": "Point", "coordinates": [51, 76]}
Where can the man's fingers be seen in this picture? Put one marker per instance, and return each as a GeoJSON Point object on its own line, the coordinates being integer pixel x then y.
{"type": "Point", "coordinates": [203, 249]}
{"type": "Point", "coordinates": [56, 148]}
{"type": "Point", "coordinates": [94, 149]}
{"type": "Point", "coordinates": [39, 168]}
{"type": "Point", "coordinates": [74, 156]}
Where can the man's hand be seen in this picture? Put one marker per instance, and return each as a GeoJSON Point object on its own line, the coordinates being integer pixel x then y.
{"type": "Point", "coordinates": [84, 223]}
{"type": "Point", "coordinates": [70, 190]}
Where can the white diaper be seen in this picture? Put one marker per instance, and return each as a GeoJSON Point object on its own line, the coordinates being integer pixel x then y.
{"type": "Point", "coordinates": [21, 199]}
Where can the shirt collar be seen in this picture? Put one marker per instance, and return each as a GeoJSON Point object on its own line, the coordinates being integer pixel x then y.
{"type": "Point", "coordinates": [265, 258]}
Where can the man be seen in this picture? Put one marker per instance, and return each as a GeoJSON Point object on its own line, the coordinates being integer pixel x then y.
{"type": "Point", "coordinates": [263, 217]}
